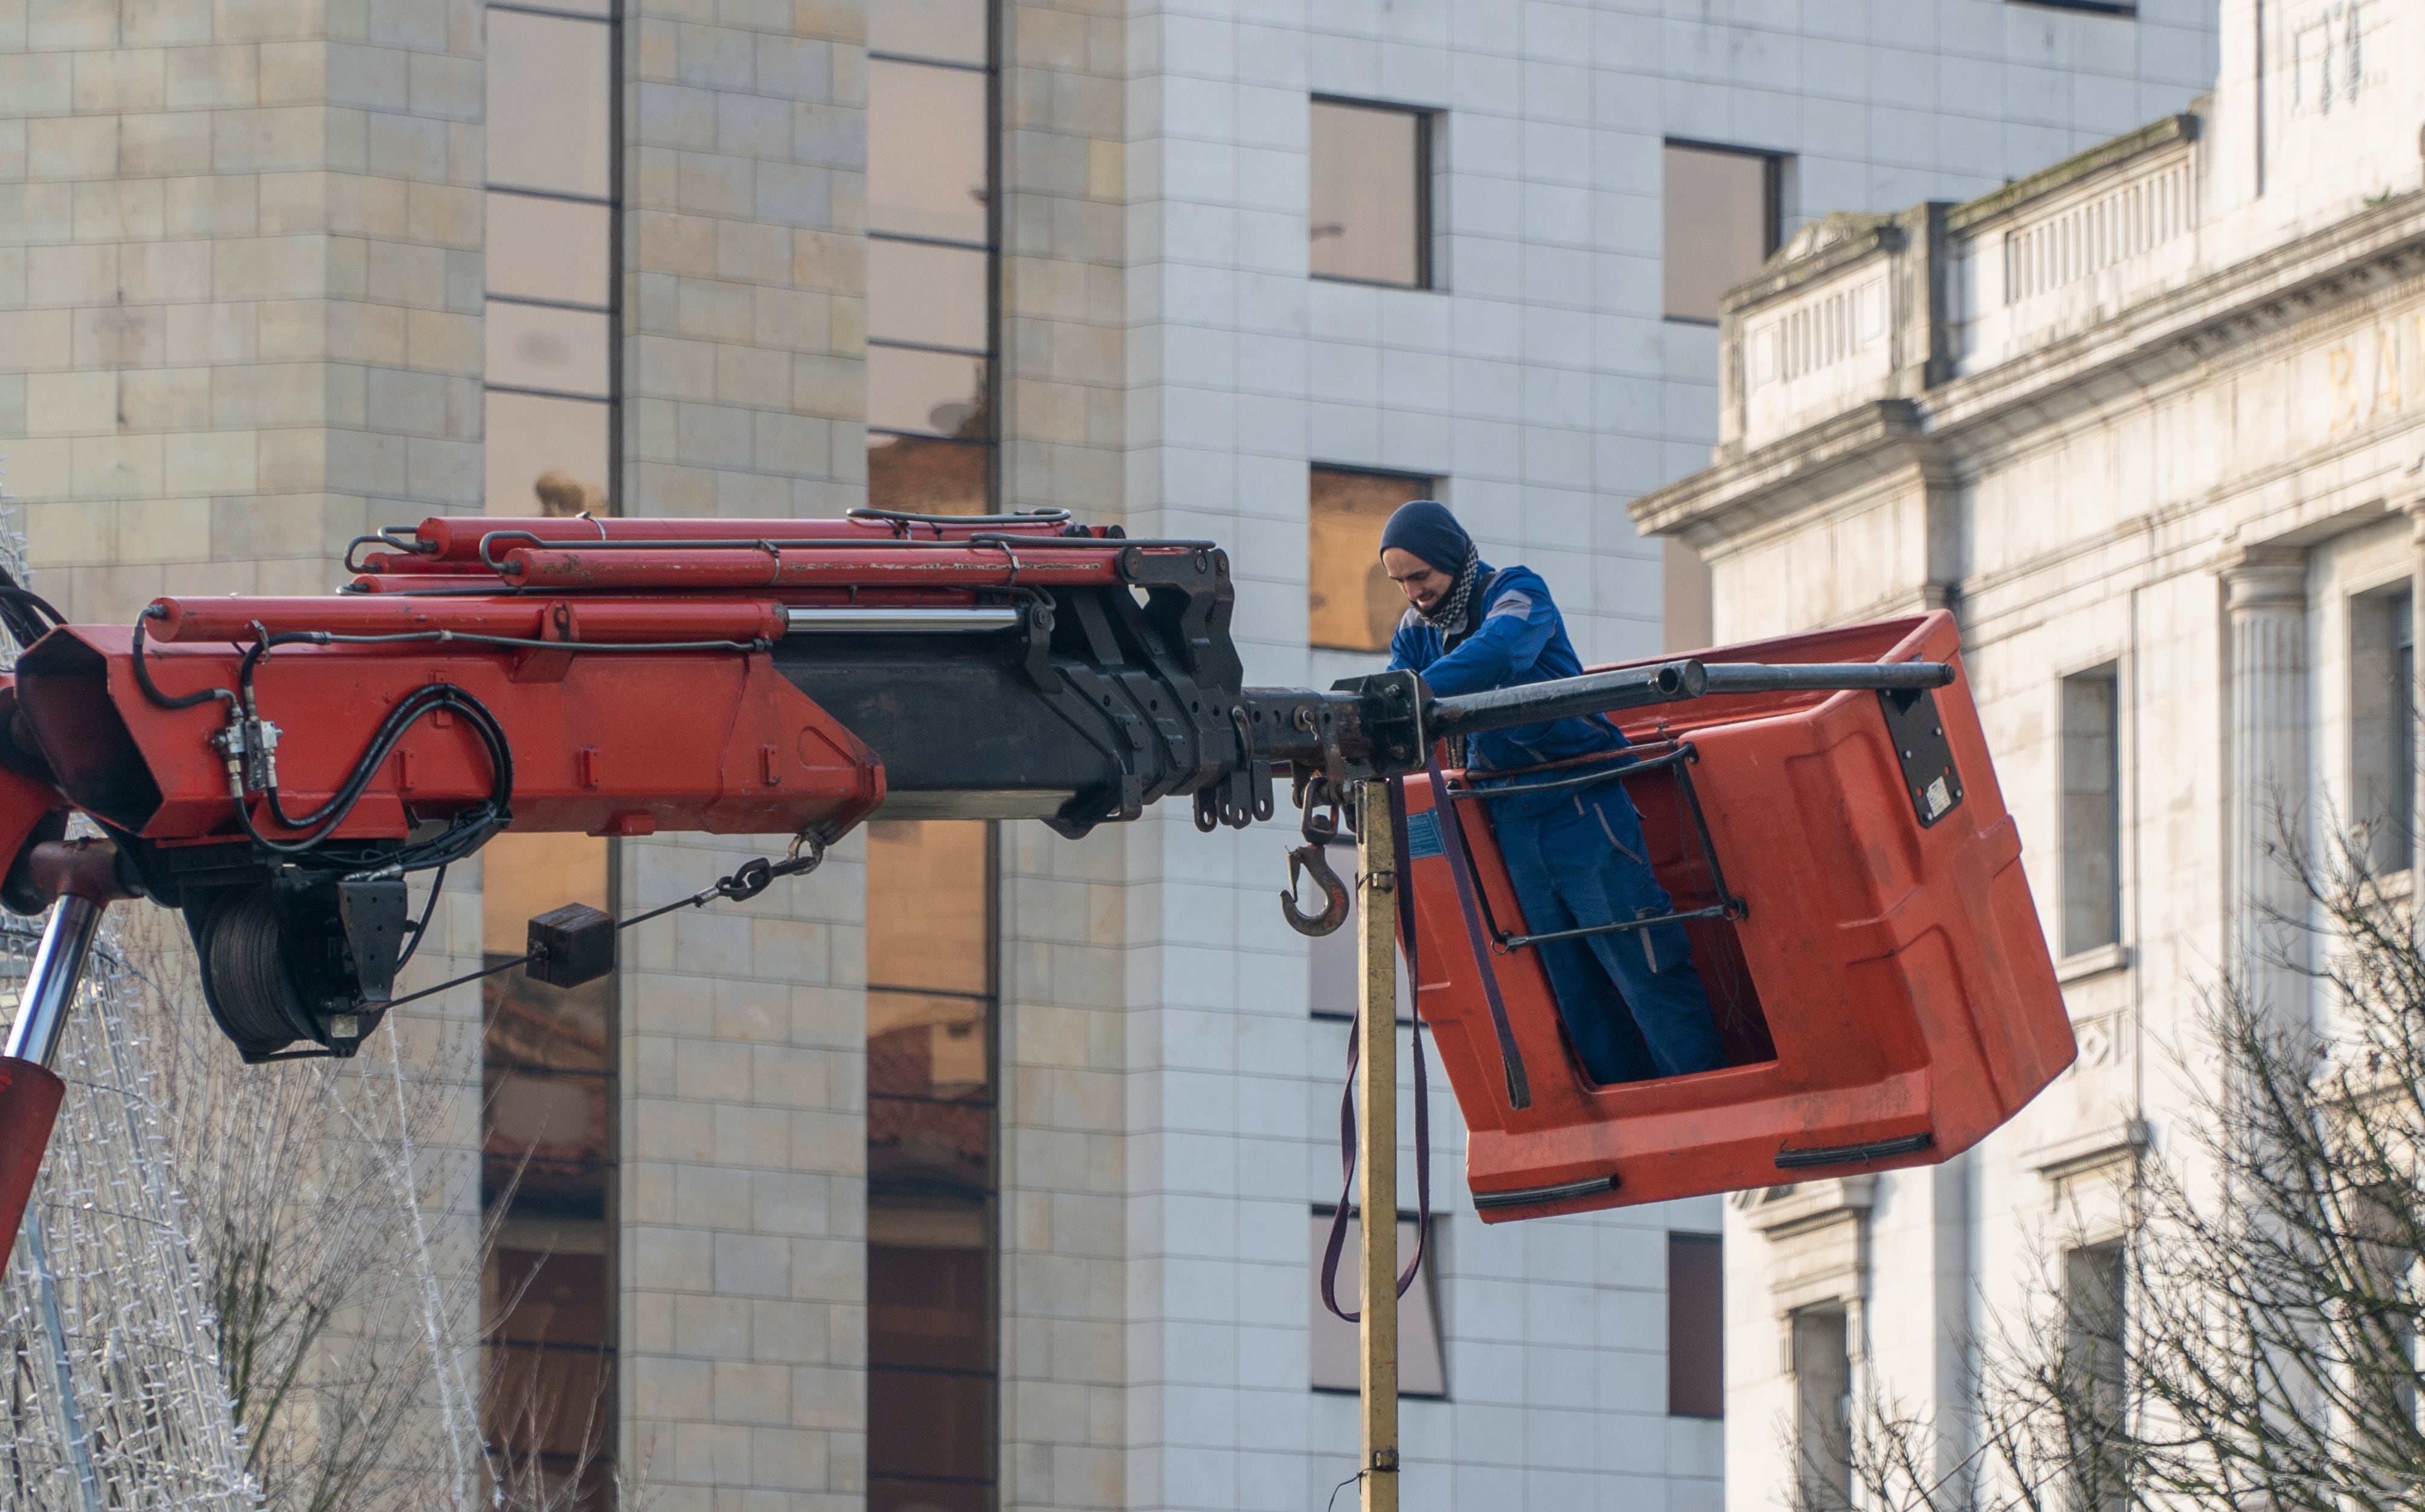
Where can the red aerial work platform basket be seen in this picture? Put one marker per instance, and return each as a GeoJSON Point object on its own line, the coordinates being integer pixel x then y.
{"type": "Point", "coordinates": [1853, 890]}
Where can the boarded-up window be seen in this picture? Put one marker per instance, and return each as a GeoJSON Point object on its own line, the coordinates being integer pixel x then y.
{"type": "Point", "coordinates": [1350, 604]}
{"type": "Point", "coordinates": [1695, 1326]}
{"type": "Point", "coordinates": [1337, 1347]}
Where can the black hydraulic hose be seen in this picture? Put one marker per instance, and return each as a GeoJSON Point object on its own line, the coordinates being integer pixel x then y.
{"type": "Point", "coordinates": [408, 710]}
{"type": "Point", "coordinates": [152, 689]}
{"type": "Point", "coordinates": [23, 610]}
{"type": "Point", "coordinates": [1668, 682]}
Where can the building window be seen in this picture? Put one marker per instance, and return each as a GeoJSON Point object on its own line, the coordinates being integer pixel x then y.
{"type": "Point", "coordinates": [2092, 811]}
{"type": "Point", "coordinates": [930, 260]}
{"type": "Point", "coordinates": [2094, 1321]}
{"type": "Point", "coordinates": [1337, 1349]}
{"type": "Point", "coordinates": [1722, 218]}
{"type": "Point", "coordinates": [1687, 597]}
{"type": "Point", "coordinates": [1822, 1408]}
{"type": "Point", "coordinates": [1695, 1326]}
{"type": "Point", "coordinates": [548, 1075]}
{"type": "Point", "coordinates": [931, 1012]}
{"type": "Point", "coordinates": [1350, 604]}
{"type": "Point", "coordinates": [2383, 725]}
{"type": "Point", "coordinates": [549, 323]}
{"type": "Point", "coordinates": [2094, 7]}
{"type": "Point", "coordinates": [1369, 218]}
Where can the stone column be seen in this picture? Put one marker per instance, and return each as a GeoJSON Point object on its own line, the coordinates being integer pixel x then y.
{"type": "Point", "coordinates": [2265, 596]}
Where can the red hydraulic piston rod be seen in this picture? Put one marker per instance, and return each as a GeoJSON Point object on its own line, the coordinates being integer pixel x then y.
{"type": "Point", "coordinates": [597, 621]}
{"type": "Point", "coordinates": [675, 569]}
{"type": "Point", "coordinates": [458, 540]}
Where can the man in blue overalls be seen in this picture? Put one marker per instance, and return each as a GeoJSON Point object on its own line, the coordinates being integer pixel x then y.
{"type": "Point", "coordinates": [1575, 855]}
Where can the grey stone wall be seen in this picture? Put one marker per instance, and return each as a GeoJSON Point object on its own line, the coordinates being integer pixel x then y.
{"type": "Point", "coordinates": [240, 288]}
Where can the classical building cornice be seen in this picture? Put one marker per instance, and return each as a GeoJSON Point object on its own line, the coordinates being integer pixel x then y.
{"type": "Point", "coordinates": [2225, 315]}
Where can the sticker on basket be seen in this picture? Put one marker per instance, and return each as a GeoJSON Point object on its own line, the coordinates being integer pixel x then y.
{"type": "Point", "coordinates": [1938, 799]}
{"type": "Point", "coordinates": [1423, 836]}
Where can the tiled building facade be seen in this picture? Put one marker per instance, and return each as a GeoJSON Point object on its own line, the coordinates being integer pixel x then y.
{"type": "Point", "coordinates": [254, 299]}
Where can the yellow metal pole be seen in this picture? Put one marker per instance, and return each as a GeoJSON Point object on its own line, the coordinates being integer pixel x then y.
{"type": "Point", "coordinates": [1378, 1110]}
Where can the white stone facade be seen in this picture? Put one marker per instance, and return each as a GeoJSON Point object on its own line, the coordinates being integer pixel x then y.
{"type": "Point", "coordinates": [2153, 413]}
{"type": "Point", "coordinates": [240, 318]}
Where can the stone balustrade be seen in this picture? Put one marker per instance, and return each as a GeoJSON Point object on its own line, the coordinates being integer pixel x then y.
{"type": "Point", "coordinates": [1857, 309]}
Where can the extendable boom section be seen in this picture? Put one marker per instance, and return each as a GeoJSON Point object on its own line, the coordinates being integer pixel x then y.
{"type": "Point", "coordinates": [275, 768]}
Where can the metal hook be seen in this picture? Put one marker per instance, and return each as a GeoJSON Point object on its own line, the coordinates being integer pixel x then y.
{"type": "Point", "coordinates": [1311, 859]}
{"type": "Point", "coordinates": [1319, 830]}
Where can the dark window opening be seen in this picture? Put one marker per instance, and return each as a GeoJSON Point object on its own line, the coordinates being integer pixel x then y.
{"type": "Point", "coordinates": [1695, 1326]}
{"type": "Point", "coordinates": [2094, 7]}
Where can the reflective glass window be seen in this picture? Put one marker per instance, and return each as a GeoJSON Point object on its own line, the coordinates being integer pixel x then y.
{"type": "Point", "coordinates": [546, 455]}
{"type": "Point", "coordinates": [546, 1355]}
{"type": "Point", "coordinates": [953, 31]}
{"type": "Point", "coordinates": [548, 1074]}
{"type": "Point", "coordinates": [1337, 1349]}
{"type": "Point", "coordinates": [549, 87]}
{"type": "Point", "coordinates": [931, 897]}
{"type": "Point", "coordinates": [1369, 201]}
{"type": "Point", "coordinates": [541, 249]}
{"type": "Point", "coordinates": [926, 151]}
{"type": "Point", "coordinates": [933, 1046]}
{"type": "Point", "coordinates": [1350, 604]}
{"type": "Point", "coordinates": [927, 295]}
{"type": "Point", "coordinates": [922, 476]}
{"type": "Point", "coordinates": [536, 346]}
{"type": "Point", "coordinates": [929, 924]}
{"type": "Point", "coordinates": [547, 1058]}
{"type": "Point", "coordinates": [1719, 225]}
{"type": "Point", "coordinates": [934, 393]}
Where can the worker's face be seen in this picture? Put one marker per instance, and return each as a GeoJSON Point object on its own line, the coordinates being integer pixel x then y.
{"type": "Point", "coordinates": [1423, 583]}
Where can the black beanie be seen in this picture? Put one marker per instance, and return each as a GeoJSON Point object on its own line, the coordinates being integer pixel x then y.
{"type": "Point", "coordinates": [1427, 528]}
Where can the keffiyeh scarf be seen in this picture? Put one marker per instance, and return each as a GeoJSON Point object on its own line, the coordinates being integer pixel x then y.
{"type": "Point", "coordinates": [1451, 614]}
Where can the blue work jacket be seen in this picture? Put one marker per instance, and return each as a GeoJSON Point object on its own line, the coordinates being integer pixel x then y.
{"type": "Point", "coordinates": [1521, 637]}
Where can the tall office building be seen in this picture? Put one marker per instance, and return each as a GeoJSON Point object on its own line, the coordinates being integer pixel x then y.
{"type": "Point", "coordinates": [980, 1169]}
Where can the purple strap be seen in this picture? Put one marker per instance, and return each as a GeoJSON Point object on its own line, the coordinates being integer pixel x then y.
{"type": "Point", "coordinates": [1401, 886]}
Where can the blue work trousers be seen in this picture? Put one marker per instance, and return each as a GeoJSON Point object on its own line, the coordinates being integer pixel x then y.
{"type": "Point", "coordinates": [1582, 863]}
